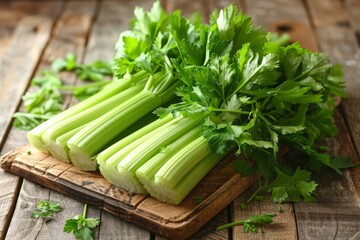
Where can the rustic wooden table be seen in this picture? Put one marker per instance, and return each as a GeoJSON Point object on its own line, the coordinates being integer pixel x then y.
{"type": "Point", "coordinates": [34, 33]}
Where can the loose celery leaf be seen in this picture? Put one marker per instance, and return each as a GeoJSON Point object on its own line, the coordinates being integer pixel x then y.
{"type": "Point", "coordinates": [342, 162]}
{"type": "Point", "coordinates": [45, 209]}
{"type": "Point", "coordinates": [292, 188]}
{"type": "Point", "coordinates": [250, 223]}
{"type": "Point", "coordinates": [47, 79]}
{"type": "Point", "coordinates": [68, 63]}
{"type": "Point", "coordinates": [81, 226]}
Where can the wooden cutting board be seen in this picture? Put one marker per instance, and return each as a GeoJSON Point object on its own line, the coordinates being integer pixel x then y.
{"type": "Point", "coordinates": [218, 189]}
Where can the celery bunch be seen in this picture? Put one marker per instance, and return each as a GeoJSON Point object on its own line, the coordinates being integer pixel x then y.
{"type": "Point", "coordinates": [251, 94]}
{"type": "Point", "coordinates": [238, 90]}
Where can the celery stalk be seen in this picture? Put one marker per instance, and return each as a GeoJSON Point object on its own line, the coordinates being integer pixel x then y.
{"type": "Point", "coordinates": [103, 156]}
{"type": "Point", "coordinates": [89, 114]}
{"type": "Point", "coordinates": [174, 195]}
{"type": "Point", "coordinates": [108, 166]}
{"type": "Point", "coordinates": [59, 148]}
{"type": "Point", "coordinates": [172, 181]}
{"type": "Point", "coordinates": [35, 135]}
{"type": "Point", "coordinates": [127, 166]}
{"type": "Point", "coordinates": [94, 137]}
{"type": "Point", "coordinates": [148, 170]}
{"type": "Point", "coordinates": [182, 162]}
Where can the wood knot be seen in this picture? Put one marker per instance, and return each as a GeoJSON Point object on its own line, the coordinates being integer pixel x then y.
{"type": "Point", "coordinates": [298, 32]}
{"type": "Point", "coordinates": [285, 28]}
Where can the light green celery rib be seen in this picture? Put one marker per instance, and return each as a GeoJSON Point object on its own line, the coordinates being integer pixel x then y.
{"type": "Point", "coordinates": [182, 162]}
{"type": "Point", "coordinates": [104, 155]}
{"type": "Point", "coordinates": [106, 127]}
{"type": "Point", "coordinates": [91, 139]}
{"type": "Point", "coordinates": [141, 154]}
{"type": "Point", "coordinates": [88, 115]}
{"type": "Point", "coordinates": [148, 170]}
{"type": "Point", "coordinates": [108, 165]}
{"type": "Point", "coordinates": [94, 137]}
{"type": "Point", "coordinates": [100, 132]}
{"type": "Point", "coordinates": [174, 195]}
{"type": "Point", "coordinates": [59, 148]}
{"type": "Point", "coordinates": [160, 139]}
{"type": "Point", "coordinates": [35, 135]}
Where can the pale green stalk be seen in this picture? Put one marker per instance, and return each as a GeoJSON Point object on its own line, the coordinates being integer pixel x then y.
{"type": "Point", "coordinates": [108, 167]}
{"type": "Point", "coordinates": [88, 115]}
{"type": "Point", "coordinates": [147, 171]}
{"type": "Point", "coordinates": [145, 151]}
{"type": "Point", "coordinates": [35, 135]}
{"type": "Point", "coordinates": [103, 157]}
{"type": "Point", "coordinates": [176, 194]}
{"type": "Point", "coordinates": [94, 137]}
{"type": "Point", "coordinates": [182, 162]}
{"type": "Point", "coordinates": [59, 148]}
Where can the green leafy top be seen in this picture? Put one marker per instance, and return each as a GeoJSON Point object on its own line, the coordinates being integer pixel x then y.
{"type": "Point", "coordinates": [146, 44]}
{"type": "Point", "coordinates": [254, 94]}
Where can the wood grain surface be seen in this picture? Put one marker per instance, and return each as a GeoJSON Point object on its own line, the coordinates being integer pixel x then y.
{"type": "Point", "coordinates": [324, 12]}
{"type": "Point", "coordinates": [30, 29]}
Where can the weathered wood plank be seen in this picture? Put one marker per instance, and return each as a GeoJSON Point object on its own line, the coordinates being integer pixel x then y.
{"type": "Point", "coordinates": [189, 8]}
{"type": "Point", "coordinates": [327, 12]}
{"type": "Point", "coordinates": [220, 4]}
{"type": "Point", "coordinates": [23, 227]}
{"type": "Point", "coordinates": [112, 228]}
{"type": "Point", "coordinates": [340, 44]}
{"type": "Point", "coordinates": [30, 37]}
{"type": "Point", "coordinates": [283, 226]}
{"type": "Point", "coordinates": [25, 204]}
{"type": "Point", "coordinates": [336, 213]}
{"type": "Point", "coordinates": [10, 187]}
{"type": "Point", "coordinates": [113, 18]}
{"type": "Point", "coordinates": [209, 229]}
{"type": "Point", "coordinates": [18, 67]}
{"type": "Point", "coordinates": [69, 35]}
{"type": "Point", "coordinates": [11, 12]}
{"type": "Point", "coordinates": [55, 229]}
{"type": "Point", "coordinates": [353, 10]}
{"type": "Point", "coordinates": [290, 18]}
